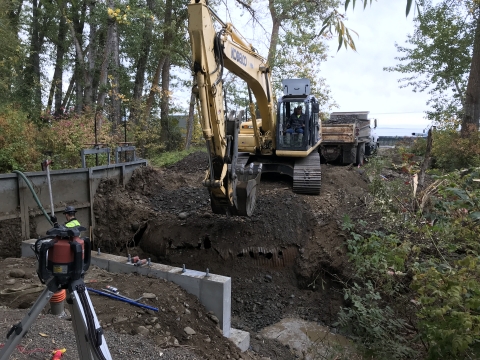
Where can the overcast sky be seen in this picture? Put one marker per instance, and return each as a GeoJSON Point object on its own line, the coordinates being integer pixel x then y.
{"type": "Point", "coordinates": [357, 79]}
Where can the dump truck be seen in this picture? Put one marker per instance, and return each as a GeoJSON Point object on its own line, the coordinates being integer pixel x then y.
{"type": "Point", "coordinates": [348, 137]}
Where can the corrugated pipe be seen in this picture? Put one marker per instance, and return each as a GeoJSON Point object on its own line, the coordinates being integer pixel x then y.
{"type": "Point", "coordinates": [37, 200]}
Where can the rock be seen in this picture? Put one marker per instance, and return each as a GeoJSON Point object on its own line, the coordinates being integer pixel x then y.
{"type": "Point", "coordinates": [208, 339]}
{"type": "Point", "coordinates": [268, 278]}
{"type": "Point", "coordinates": [258, 337]}
{"type": "Point", "coordinates": [149, 296]}
{"type": "Point", "coordinates": [134, 226]}
{"type": "Point", "coordinates": [175, 342]}
{"type": "Point", "coordinates": [17, 273]}
{"type": "Point", "coordinates": [10, 281]}
{"type": "Point", "coordinates": [214, 318]}
{"type": "Point", "coordinates": [187, 312]}
{"type": "Point", "coordinates": [189, 331]}
{"type": "Point", "coordinates": [116, 320]}
{"type": "Point", "coordinates": [142, 330]}
{"type": "Point", "coordinates": [182, 215]}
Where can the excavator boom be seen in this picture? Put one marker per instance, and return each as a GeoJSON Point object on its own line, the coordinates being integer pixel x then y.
{"type": "Point", "coordinates": [271, 144]}
{"type": "Point", "coordinates": [230, 179]}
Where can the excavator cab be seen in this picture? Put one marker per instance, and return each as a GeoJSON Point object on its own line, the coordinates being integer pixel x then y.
{"type": "Point", "coordinates": [298, 126]}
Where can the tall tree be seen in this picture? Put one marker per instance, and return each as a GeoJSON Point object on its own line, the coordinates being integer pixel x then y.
{"type": "Point", "coordinates": [165, 94]}
{"type": "Point", "coordinates": [471, 107]}
{"type": "Point", "coordinates": [438, 57]}
{"type": "Point", "coordinates": [471, 117]}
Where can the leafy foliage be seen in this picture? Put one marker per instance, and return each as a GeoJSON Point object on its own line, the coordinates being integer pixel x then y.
{"type": "Point", "coordinates": [18, 142]}
{"type": "Point", "coordinates": [449, 300]}
{"type": "Point", "coordinates": [449, 142]}
{"type": "Point", "coordinates": [438, 56]}
{"type": "Point", "coordinates": [374, 325]}
{"type": "Point", "coordinates": [417, 280]}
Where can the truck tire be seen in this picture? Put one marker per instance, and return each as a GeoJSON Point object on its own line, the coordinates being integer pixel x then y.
{"type": "Point", "coordinates": [360, 153]}
{"type": "Point", "coordinates": [369, 149]}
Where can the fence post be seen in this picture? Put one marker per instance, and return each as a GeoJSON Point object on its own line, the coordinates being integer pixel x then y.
{"type": "Point", "coordinates": [24, 214]}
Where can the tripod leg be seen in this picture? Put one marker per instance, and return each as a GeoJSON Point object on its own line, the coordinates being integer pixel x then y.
{"type": "Point", "coordinates": [18, 331]}
{"type": "Point", "coordinates": [91, 343]}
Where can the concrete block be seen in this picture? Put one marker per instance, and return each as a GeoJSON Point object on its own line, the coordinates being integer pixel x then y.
{"type": "Point", "coordinates": [27, 250]}
{"type": "Point", "coordinates": [240, 338]}
{"type": "Point", "coordinates": [189, 280]}
{"type": "Point", "coordinates": [212, 289]}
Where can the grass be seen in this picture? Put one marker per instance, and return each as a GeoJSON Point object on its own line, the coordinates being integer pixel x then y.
{"type": "Point", "coordinates": [172, 157]}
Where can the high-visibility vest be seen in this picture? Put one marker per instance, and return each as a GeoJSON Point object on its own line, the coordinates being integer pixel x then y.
{"type": "Point", "coordinates": [72, 223]}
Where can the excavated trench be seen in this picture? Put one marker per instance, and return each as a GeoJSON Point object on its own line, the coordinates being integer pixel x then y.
{"type": "Point", "coordinates": [284, 261]}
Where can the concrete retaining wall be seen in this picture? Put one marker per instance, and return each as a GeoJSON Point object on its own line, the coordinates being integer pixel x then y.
{"type": "Point", "coordinates": [75, 187]}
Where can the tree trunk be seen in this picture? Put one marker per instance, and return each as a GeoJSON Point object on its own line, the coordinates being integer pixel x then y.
{"type": "Point", "coordinates": [50, 96]}
{"type": "Point", "coordinates": [92, 57]}
{"type": "Point", "coordinates": [426, 161]}
{"type": "Point", "coordinates": [191, 112]}
{"type": "Point", "coordinates": [154, 88]}
{"type": "Point", "coordinates": [165, 101]}
{"type": "Point", "coordinates": [277, 20]}
{"type": "Point", "coordinates": [471, 116]}
{"type": "Point", "coordinates": [58, 74]}
{"type": "Point", "coordinates": [78, 21]}
{"type": "Point", "coordinates": [68, 94]}
{"type": "Point", "coordinates": [273, 43]}
{"type": "Point", "coordinates": [102, 94]}
{"type": "Point", "coordinates": [142, 66]}
{"type": "Point", "coordinates": [115, 98]}
{"type": "Point", "coordinates": [165, 95]}
{"type": "Point", "coordinates": [32, 77]}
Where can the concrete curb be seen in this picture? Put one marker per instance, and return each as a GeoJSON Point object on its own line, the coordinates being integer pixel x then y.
{"type": "Point", "coordinates": [213, 291]}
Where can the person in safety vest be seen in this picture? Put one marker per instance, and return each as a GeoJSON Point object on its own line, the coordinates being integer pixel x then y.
{"type": "Point", "coordinates": [69, 216]}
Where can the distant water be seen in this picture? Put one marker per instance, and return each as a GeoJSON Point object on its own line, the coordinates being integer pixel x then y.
{"type": "Point", "coordinates": [397, 131]}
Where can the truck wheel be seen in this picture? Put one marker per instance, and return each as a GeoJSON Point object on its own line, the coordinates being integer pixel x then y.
{"type": "Point", "coordinates": [368, 150]}
{"type": "Point", "coordinates": [360, 154]}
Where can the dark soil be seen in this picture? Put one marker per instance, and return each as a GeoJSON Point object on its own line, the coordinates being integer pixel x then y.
{"type": "Point", "coordinates": [284, 261]}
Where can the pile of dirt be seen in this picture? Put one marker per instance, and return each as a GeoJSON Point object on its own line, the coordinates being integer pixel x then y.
{"type": "Point", "coordinates": [181, 322]}
{"type": "Point", "coordinates": [283, 261]}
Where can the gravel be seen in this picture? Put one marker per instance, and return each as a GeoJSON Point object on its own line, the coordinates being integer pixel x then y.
{"type": "Point", "coordinates": [58, 333]}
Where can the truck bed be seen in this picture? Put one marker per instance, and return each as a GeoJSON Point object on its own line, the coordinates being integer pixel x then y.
{"type": "Point", "coordinates": [343, 132]}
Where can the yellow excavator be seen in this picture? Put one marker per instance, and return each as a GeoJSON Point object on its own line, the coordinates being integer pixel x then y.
{"type": "Point", "coordinates": [240, 151]}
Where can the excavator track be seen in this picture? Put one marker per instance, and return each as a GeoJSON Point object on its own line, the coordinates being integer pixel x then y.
{"type": "Point", "coordinates": [307, 175]}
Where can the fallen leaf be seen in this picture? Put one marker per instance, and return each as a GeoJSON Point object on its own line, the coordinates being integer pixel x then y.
{"type": "Point", "coordinates": [43, 334]}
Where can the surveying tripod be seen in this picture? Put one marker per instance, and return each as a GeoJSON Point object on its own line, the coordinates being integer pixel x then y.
{"type": "Point", "coordinates": [62, 262]}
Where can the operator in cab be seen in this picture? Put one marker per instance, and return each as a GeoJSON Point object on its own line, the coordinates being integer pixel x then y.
{"type": "Point", "coordinates": [296, 124]}
{"type": "Point", "coordinates": [69, 213]}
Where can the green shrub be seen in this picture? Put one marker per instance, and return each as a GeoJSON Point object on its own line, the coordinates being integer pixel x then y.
{"type": "Point", "coordinates": [451, 151]}
{"type": "Point", "coordinates": [449, 309]}
{"type": "Point", "coordinates": [171, 157]}
{"type": "Point", "coordinates": [18, 142]}
{"type": "Point", "coordinates": [375, 326]}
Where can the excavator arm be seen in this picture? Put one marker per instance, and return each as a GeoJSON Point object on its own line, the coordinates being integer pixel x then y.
{"type": "Point", "coordinates": [230, 179]}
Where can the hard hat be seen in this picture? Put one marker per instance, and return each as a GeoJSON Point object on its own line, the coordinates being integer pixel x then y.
{"type": "Point", "coordinates": [69, 209]}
